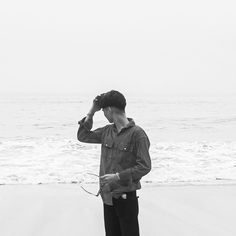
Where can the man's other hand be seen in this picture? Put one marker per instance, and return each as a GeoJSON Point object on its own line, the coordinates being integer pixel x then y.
{"type": "Point", "coordinates": [109, 178]}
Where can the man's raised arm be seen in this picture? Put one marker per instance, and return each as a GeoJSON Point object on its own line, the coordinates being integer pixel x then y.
{"type": "Point", "coordinates": [84, 133]}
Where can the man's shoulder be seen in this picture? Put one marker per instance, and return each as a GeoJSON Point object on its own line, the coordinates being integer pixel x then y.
{"type": "Point", "coordinates": [106, 127]}
{"type": "Point", "coordinates": [139, 132]}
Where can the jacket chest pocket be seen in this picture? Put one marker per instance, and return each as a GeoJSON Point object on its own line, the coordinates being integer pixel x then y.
{"type": "Point", "coordinates": [121, 147]}
{"type": "Point", "coordinates": [107, 150]}
{"type": "Point", "coordinates": [108, 143]}
{"type": "Point", "coordinates": [125, 147]}
{"type": "Point", "coordinates": [121, 152]}
{"type": "Point", "coordinates": [125, 156]}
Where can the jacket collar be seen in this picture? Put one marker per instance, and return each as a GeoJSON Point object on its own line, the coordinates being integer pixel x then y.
{"type": "Point", "coordinates": [129, 125]}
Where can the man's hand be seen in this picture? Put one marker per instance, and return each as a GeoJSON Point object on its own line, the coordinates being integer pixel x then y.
{"type": "Point", "coordinates": [96, 103]}
{"type": "Point", "coordinates": [109, 178]}
{"type": "Point", "coordinates": [95, 107]}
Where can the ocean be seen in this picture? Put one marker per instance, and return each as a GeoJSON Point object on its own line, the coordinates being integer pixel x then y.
{"type": "Point", "coordinates": [193, 138]}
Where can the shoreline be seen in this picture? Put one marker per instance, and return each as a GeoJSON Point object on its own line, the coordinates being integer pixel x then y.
{"type": "Point", "coordinates": [220, 182]}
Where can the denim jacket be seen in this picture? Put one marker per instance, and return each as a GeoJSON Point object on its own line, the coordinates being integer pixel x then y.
{"type": "Point", "coordinates": [126, 153]}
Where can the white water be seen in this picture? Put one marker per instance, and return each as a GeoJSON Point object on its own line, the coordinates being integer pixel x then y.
{"type": "Point", "coordinates": [193, 139]}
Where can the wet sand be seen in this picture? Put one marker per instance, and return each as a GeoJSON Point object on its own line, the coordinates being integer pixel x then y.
{"type": "Point", "coordinates": [65, 209]}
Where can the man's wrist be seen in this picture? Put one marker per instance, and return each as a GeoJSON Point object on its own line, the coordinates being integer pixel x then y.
{"type": "Point", "coordinates": [92, 111]}
{"type": "Point", "coordinates": [90, 114]}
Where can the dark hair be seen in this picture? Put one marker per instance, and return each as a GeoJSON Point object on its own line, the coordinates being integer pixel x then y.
{"type": "Point", "coordinates": [113, 98]}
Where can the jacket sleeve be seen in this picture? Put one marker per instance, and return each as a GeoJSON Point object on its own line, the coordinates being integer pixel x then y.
{"type": "Point", "coordinates": [143, 161]}
{"type": "Point", "coordinates": [85, 134]}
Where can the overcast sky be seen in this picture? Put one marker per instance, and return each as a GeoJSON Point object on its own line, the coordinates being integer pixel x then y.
{"type": "Point", "coordinates": [157, 46]}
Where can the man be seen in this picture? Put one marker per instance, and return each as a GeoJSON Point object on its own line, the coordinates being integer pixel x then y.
{"type": "Point", "coordinates": [124, 161]}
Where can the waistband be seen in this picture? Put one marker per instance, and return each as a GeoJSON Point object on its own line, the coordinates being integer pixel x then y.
{"type": "Point", "coordinates": [131, 194]}
{"type": "Point", "coordinates": [125, 195]}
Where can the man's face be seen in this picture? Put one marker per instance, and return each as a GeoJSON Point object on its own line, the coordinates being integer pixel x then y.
{"type": "Point", "coordinates": [108, 113]}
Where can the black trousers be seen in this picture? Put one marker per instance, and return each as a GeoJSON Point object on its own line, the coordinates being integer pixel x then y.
{"type": "Point", "coordinates": [121, 219]}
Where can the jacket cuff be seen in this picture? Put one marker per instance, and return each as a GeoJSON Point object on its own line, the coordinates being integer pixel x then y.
{"type": "Point", "coordinates": [80, 122]}
{"type": "Point", "coordinates": [86, 124]}
{"type": "Point", "coordinates": [125, 175]}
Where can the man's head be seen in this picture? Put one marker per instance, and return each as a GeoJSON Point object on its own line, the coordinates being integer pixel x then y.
{"type": "Point", "coordinates": [112, 103]}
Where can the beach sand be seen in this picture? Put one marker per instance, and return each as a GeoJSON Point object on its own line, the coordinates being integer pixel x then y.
{"type": "Point", "coordinates": [66, 210]}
